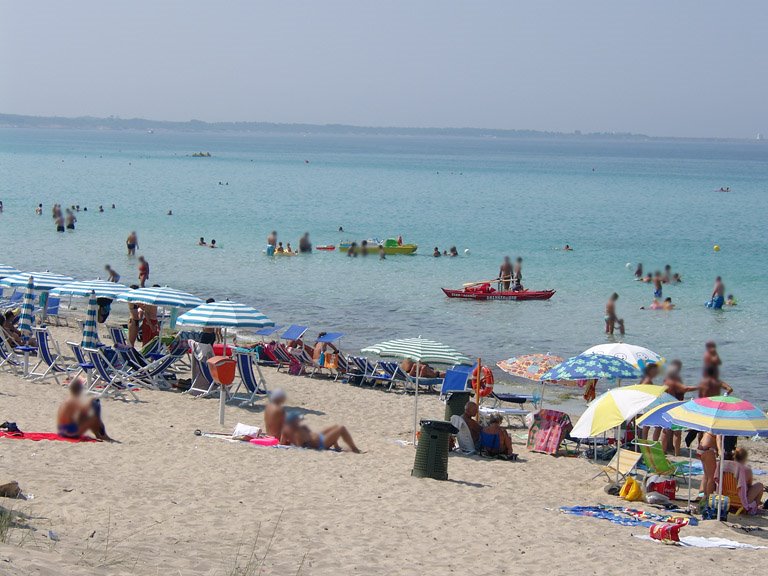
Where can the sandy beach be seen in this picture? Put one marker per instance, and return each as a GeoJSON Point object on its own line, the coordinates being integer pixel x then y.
{"type": "Point", "coordinates": [164, 501]}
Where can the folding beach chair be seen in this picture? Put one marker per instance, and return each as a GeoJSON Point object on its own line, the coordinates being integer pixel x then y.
{"type": "Point", "coordinates": [388, 372]}
{"type": "Point", "coordinates": [622, 464]}
{"type": "Point", "coordinates": [254, 385]}
{"type": "Point", "coordinates": [118, 336]}
{"type": "Point", "coordinates": [550, 429]}
{"type": "Point", "coordinates": [203, 385]}
{"type": "Point", "coordinates": [52, 312]}
{"type": "Point", "coordinates": [12, 301]}
{"type": "Point", "coordinates": [156, 374]}
{"type": "Point", "coordinates": [49, 357]}
{"type": "Point", "coordinates": [365, 367]}
{"type": "Point", "coordinates": [110, 382]}
{"type": "Point", "coordinates": [8, 358]}
{"type": "Point", "coordinates": [454, 381]}
{"type": "Point", "coordinates": [735, 487]}
{"type": "Point", "coordinates": [656, 461]}
{"type": "Point", "coordinates": [84, 366]}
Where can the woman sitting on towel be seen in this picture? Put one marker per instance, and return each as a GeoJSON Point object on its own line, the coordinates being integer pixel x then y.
{"type": "Point", "coordinates": [76, 417]}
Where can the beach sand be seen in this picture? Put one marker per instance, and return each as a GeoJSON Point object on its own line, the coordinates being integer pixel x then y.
{"type": "Point", "coordinates": [165, 501]}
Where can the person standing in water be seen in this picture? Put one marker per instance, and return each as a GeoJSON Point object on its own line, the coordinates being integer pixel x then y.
{"type": "Point", "coordinates": [505, 273]}
{"type": "Point", "coordinates": [272, 243]}
{"type": "Point", "coordinates": [132, 242]}
{"type": "Point", "coordinates": [718, 295]}
{"type": "Point", "coordinates": [143, 271]}
{"type": "Point", "coordinates": [611, 319]}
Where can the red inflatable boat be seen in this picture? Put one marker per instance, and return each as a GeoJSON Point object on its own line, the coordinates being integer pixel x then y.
{"type": "Point", "coordinates": [485, 292]}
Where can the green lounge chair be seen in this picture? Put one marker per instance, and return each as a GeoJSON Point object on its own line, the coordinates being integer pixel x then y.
{"type": "Point", "coordinates": [656, 460]}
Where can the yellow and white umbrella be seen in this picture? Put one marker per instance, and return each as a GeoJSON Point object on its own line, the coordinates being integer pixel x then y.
{"type": "Point", "coordinates": [615, 407]}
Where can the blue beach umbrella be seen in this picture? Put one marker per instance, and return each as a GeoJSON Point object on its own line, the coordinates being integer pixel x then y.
{"type": "Point", "coordinates": [655, 415]}
{"type": "Point", "coordinates": [27, 316]}
{"type": "Point", "coordinates": [90, 327]}
{"type": "Point", "coordinates": [7, 271]}
{"type": "Point", "coordinates": [42, 281]}
{"type": "Point", "coordinates": [592, 367]}
{"type": "Point", "coordinates": [84, 289]}
{"type": "Point", "coordinates": [161, 296]}
{"type": "Point", "coordinates": [224, 314]}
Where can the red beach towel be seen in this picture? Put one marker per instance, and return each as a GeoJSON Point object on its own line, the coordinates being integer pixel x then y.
{"type": "Point", "coordinates": [37, 436]}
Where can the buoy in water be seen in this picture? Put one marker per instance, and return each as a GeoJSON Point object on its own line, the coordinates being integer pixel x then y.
{"type": "Point", "coordinates": [716, 247]}
{"type": "Point", "coordinates": [628, 265]}
{"type": "Point", "coordinates": [466, 251]}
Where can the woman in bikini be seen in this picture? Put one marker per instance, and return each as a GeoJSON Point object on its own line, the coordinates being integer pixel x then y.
{"type": "Point", "coordinates": [707, 452]}
{"type": "Point", "coordinates": [133, 321]}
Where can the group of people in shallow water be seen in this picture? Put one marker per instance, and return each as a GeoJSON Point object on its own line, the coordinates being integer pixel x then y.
{"type": "Point", "coordinates": [511, 275]}
{"type": "Point", "coordinates": [452, 252]}
{"type": "Point", "coordinates": [276, 247]}
{"type": "Point", "coordinates": [64, 218]}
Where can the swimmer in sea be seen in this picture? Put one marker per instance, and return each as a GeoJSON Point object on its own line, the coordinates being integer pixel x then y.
{"type": "Point", "coordinates": [667, 276]}
{"type": "Point", "coordinates": [202, 242]}
{"type": "Point", "coordinates": [213, 243]}
{"type": "Point", "coordinates": [730, 301]}
{"type": "Point", "coordinates": [112, 275]}
{"type": "Point", "coordinates": [657, 285]}
{"type": "Point", "coordinates": [132, 242]}
{"type": "Point", "coordinates": [611, 319]}
{"type": "Point", "coordinates": [382, 253]}
{"type": "Point", "coordinates": [453, 252]}
{"type": "Point", "coordinates": [655, 305]}
{"type": "Point", "coordinates": [667, 305]}
{"type": "Point", "coordinates": [39, 209]}
{"type": "Point", "coordinates": [436, 252]}
{"type": "Point", "coordinates": [568, 248]}
{"type": "Point", "coordinates": [280, 249]}
{"type": "Point", "coordinates": [639, 272]}
{"type": "Point", "coordinates": [647, 279]}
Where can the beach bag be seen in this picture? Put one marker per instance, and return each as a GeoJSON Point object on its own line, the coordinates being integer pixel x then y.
{"type": "Point", "coordinates": [631, 491]}
{"type": "Point", "coordinates": [664, 486]}
{"type": "Point", "coordinates": [709, 511]}
{"type": "Point", "coordinates": [667, 533]}
{"type": "Point", "coordinates": [331, 361]}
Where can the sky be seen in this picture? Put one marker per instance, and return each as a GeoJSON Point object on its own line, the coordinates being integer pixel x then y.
{"type": "Point", "coordinates": [682, 68]}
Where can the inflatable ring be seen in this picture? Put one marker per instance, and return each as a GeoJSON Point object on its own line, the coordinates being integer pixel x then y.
{"type": "Point", "coordinates": [486, 381]}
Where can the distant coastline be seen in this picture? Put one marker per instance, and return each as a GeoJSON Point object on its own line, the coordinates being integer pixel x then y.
{"type": "Point", "coordinates": [141, 124]}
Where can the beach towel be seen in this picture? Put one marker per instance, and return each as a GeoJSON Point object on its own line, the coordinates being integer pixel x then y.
{"type": "Point", "coordinates": [37, 436]}
{"type": "Point", "coordinates": [548, 430]}
{"type": "Point", "coordinates": [702, 542]}
{"type": "Point", "coordinates": [627, 516]}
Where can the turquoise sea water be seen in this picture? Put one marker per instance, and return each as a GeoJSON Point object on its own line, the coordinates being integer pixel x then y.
{"type": "Point", "coordinates": [647, 201]}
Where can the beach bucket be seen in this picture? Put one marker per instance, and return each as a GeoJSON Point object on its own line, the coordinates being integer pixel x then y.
{"type": "Point", "coordinates": [432, 452]}
{"type": "Point", "coordinates": [454, 405]}
{"type": "Point", "coordinates": [222, 369]}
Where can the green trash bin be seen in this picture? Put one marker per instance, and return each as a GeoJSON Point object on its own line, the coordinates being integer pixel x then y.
{"type": "Point", "coordinates": [454, 406]}
{"type": "Point", "coordinates": [432, 451]}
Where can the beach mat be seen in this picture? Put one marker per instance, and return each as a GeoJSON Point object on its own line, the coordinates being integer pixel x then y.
{"type": "Point", "coordinates": [37, 436]}
{"type": "Point", "coordinates": [702, 542]}
{"type": "Point", "coordinates": [627, 516]}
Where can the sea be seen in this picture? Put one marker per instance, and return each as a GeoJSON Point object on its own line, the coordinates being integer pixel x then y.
{"type": "Point", "coordinates": [617, 202]}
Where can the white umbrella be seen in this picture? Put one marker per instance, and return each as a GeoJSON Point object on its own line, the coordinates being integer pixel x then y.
{"type": "Point", "coordinates": [417, 350]}
{"type": "Point", "coordinates": [635, 355]}
{"type": "Point", "coordinates": [224, 315]}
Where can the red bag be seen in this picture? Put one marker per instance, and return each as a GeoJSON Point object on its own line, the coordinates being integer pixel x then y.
{"type": "Point", "coordinates": [667, 488]}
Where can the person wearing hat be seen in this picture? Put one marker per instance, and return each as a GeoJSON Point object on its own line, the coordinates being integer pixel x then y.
{"type": "Point", "coordinates": [274, 413]}
{"type": "Point", "coordinates": [297, 434]}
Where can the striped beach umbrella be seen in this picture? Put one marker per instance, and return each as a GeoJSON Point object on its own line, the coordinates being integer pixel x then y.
{"type": "Point", "coordinates": [27, 315]}
{"type": "Point", "coordinates": [635, 355]}
{"type": "Point", "coordinates": [43, 281]}
{"type": "Point", "coordinates": [615, 407]}
{"type": "Point", "coordinates": [161, 296]}
{"type": "Point", "coordinates": [654, 416]}
{"type": "Point", "coordinates": [721, 416]}
{"type": "Point", "coordinates": [90, 326]}
{"type": "Point", "coordinates": [224, 315]}
{"type": "Point", "coordinates": [419, 350]}
{"type": "Point", "coordinates": [84, 289]}
{"type": "Point", "coordinates": [7, 271]}
{"type": "Point", "coordinates": [592, 367]}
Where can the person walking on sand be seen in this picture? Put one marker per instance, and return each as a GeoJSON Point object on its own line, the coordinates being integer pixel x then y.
{"type": "Point", "coordinates": [143, 271]}
{"type": "Point", "coordinates": [132, 242]}
{"type": "Point", "coordinates": [611, 319]}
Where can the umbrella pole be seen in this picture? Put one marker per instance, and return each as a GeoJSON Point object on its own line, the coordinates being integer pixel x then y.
{"type": "Point", "coordinates": [416, 403]}
{"type": "Point", "coordinates": [222, 388]}
{"type": "Point", "coordinates": [690, 474]}
{"type": "Point", "coordinates": [721, 442]}
{"type": "Point", "coordinates": [618, 452]}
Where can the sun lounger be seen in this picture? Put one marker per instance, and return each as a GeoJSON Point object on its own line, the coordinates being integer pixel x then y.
{"type": "Point", "coordinates": [388, 372]}
{"type": "Point", "coordinates": [549, 430]}
{"type": "Point", "coordinates": [203, 385]}
{"type": "Point", "coordinates": [49, 357]}
{"type": "Point", "coordinates": [622, 464]}
{"type": "Point", "coordinates": [254, 385]}
{"type": "Point", "coordinates": [8, 358]}
{"type": "Point", "coordinates": [519, 399]}
{"type": "Point", "coordinates": [110, 382]}
{"type": "Point", "coordinates": [362, 366]}
{"type": "Point", "coordinates": [84, 366]}
{"type": "Point", "coordinates": [155, 374]}
{"type": "Point", "coordinates": [118, 335]}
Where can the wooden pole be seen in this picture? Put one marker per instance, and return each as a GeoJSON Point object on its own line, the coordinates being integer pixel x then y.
{"type": "Point", "coordinates": [477, 386]}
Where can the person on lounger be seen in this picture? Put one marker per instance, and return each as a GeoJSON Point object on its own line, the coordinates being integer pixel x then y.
{"type": "Point", "coordinates": [274, 413]}
{"type": "Point", "coordinates": [297, 434]}
{"type": "Point", "coordinates": [322, 349]}
{"type": "Point", "coordinates": [425, 370]}
{"type": "Point", "coordinates": [504, 446]}
{"type": "Point", "coordinates": [77, 417]}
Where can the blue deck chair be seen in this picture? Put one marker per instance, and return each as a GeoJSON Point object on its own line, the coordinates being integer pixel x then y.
{"type": "Point", "coordinates": [111, 382]}
{"type": "Point", "coordinates": [13, 300]}
{"type": "Point", "coordinates": [118, 336]}
{"type": "Point", "coordinates": [49, 357]}
{"type": "Point", "coordinates": [155, 374]}
{"type": "Point", "coordinates": [204, 374]}
{"type": "Point", "coordinates": [52, 305]}
{"type": "Point", "coordinates": [254, 385]}
{"type": "Point", "coordinates": [84, 366]}
{"type": "Point", "coordinates": [8, 358]}
{"type": "Point", "coordinates": [131, 357]}
{"type": "Point", "coordinates": [363, 365]}
{"type": "Point", "coordinates": [455, 381]}
{"type": "Point", "coordinates": [388, 372]}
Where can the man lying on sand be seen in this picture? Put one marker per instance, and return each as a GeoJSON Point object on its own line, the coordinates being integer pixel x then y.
{"type": "Point", "coordinates": [77, 417]}
{"type": "Point", "coordinates": [297, 434]}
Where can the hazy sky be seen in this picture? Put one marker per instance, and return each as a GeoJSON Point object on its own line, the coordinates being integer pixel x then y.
{"type": "Point", "coordinates": [661, 67]}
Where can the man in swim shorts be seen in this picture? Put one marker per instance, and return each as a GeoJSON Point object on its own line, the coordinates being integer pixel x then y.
{"type": "Point", "coordinates": [132, 242]}
{"type": "Point", "coordinates": [718, 295]}
{"type": "Point", "coordinates": [505, 273]}
{"type": "Point", "coordinates": [77, 417]}
{"type": "Point", "coordinates": [610, 316]}
{"type": "Point", "coordinates": [297, 434]}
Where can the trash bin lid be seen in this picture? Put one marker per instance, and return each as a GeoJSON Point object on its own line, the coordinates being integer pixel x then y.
{"type": "Point", "coordinates": [440, 426]}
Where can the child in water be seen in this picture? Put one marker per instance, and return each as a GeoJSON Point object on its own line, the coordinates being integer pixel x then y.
{"type": "Point", "coordinates": [730, 301]}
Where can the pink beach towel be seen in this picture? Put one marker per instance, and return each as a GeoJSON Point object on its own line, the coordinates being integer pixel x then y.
{"type": "Point", "coordinates": [37, 436]}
